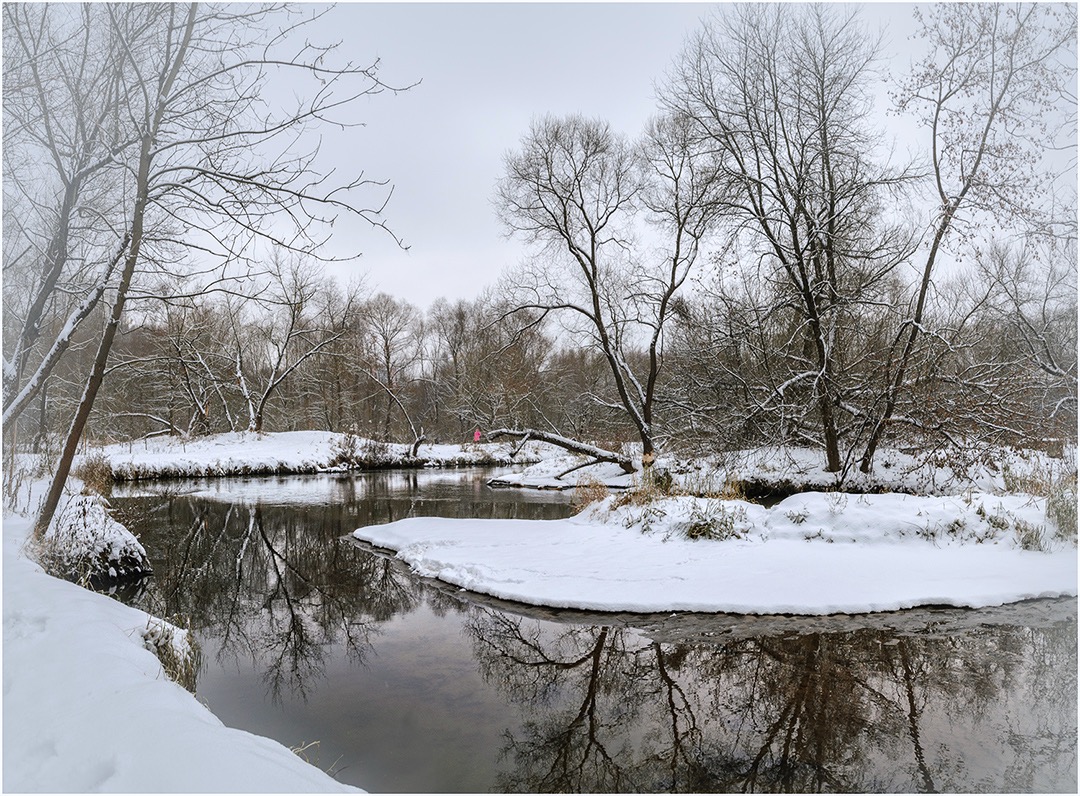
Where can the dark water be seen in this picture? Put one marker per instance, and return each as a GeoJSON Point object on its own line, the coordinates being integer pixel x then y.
{"type": "Point", "coordinates": [396, 684]}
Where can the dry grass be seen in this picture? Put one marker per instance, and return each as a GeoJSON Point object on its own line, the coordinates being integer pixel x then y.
{"type": "Point", "coordinates": [56, 560]}
{"type": "Point", "coordinates": [1061, 506]}
{"type": "Point", "coordinates": [180, 658]}
{"type": "Point", "coordinates": [1058, 486]}
{"type": "Point", "coordinates": [588, 490]}
{"type": "Point", "coordinates": [96, 473]}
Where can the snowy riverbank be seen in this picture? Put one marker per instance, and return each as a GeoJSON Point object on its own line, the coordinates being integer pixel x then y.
{"type": "Point", "coordinates": [87, 706]}
{"type": "Point", "coordinates": [76, 662]}
{"type": "Point", "coordinates": [787, 470]}
{"type": "Point", "coordinates": [293, 452]}
{"type": "Point", "coordinates": [811, 554]}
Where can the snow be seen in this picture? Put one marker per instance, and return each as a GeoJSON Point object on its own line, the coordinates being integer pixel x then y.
{"type": "Point", "coordinates": [790, 469]}
{"type": "Point", "coordinates": [87, 705]}
{"type": "Point", "coordinates": [545, 474]}
{"type": "Point", "coordinates": [88, 708]}
{"type": "Point", "coordinates": [813, 554]}
{"type": "Point", "coordinates": [249, 453]}
{"type": "Point", "coordinates": [84, 535]}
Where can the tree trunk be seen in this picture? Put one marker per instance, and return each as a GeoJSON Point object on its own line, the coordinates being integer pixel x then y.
{"type": "Point", "coordinates": [573, 446]}
{"type": "Point", "coordinates": [142, 193]}
{"type": "Point", "coordinates": [894, 385]}
{"type": "Point", "coordinates": [97, 373]}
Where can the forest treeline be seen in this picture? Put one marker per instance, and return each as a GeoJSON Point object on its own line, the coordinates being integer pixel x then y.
{"type": "Point", "coordinates": [312, 354]}
{"type": "Point", "coordinates": [759, 266]}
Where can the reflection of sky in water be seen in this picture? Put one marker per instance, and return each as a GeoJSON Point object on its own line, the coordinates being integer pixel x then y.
{"type": "Point", "coordinates": [297, 490]}
{"type": "Point", "coordinates": [409, 685]}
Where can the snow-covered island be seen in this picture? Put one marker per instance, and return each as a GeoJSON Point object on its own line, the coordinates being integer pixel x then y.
{"type": "Point", "coordinates": [812, 553]}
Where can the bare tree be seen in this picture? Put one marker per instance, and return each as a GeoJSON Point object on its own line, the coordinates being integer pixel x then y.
{"type": "Point", "coordinates": [1007, 373]}
{"type": "Point", "coordinates": [782, 97]}
{"type": "Point", "coordinates": [283, 334]}
{"type": "Point", "coordinates": [204, 166]}
{"type": "Point", "coordinates": [488, 368]}
{"type": "Point", "coordinates": [62, 100]}
{"type": "Point", "coordinates": [394, 332]}
{"type": "Point", "coordinates": [577, 190]}
{"type": "Point", "coordinates": [986, 92]}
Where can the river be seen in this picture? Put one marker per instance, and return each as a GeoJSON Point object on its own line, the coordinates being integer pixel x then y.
{"type": "Point", "coordinates": [400, 684]}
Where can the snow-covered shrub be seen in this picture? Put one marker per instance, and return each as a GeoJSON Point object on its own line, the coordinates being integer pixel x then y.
{"type": "Point", "coordinates": [688, 517]}
{"type": "Point", "coordinates": [85, 543]}
{"type": "Point", "coordinates": [345, 450]}
{"type": "Point", "coordinates": [96, 473]}
{"type": "Point", "coordinates": [376, 454]}
{"type": "Point", "coordinates": [352, 451]}
{"type": "Point", "coordinates": [797, 517]}
{"type": "Point", "coordinates": [837, 501]}
{"type": "Point", "coordinates": [715, 520]}
{"type": "Point", "coordinates": [177, 650]}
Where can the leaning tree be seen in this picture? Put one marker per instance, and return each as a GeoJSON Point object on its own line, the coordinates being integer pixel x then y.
{"type": "Point", "coordinates": [190, 162]}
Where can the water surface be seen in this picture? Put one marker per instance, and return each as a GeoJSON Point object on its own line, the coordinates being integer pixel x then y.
{"type": "Point", "coordinates": [395, 683]}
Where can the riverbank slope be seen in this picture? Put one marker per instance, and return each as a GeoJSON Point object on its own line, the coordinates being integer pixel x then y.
{"type": "Point", "coordinates": [87, 706]}
{"type": "Point", "coordinates": [294, 453]}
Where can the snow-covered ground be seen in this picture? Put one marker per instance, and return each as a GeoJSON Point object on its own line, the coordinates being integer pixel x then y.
{"type": "Point", "coordinates": [87, 706]}
{"type": "Point", "coordinates": [812, 553]}
{"type": "Point", "coordinates": [787, 470]}
{"type": "Point", "coordinates": [549, 474]}
{"type": "Point", "coordinates": [246, 453]}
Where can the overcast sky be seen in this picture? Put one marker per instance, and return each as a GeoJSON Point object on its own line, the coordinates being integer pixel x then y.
{"type": "Point", "coordinates": [487, 70]}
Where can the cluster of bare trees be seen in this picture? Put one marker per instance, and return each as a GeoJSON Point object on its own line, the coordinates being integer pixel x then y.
{"type": "Point", "coordinates": [138, 143]}
{"type": "Point", "coordinates": [826, 317]}
{"type": "Point", "coordinates": [299, 351]}
{"type": "Point", "coordinates": [756, 267]}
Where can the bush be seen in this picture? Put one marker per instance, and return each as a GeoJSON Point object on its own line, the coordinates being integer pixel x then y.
{"type": "Point", "coordinates": [588, 490]}
{"type": "Point", "coordinates": [345, 450]}
{"type": "Point", "coordinates": [176, 649]}
{"type": "Point", "coordinates": [96, 473]}
{"type": "Point", "coordinates": [714, 521]}
{"type": "Point", "coordinates": [84, 543]}
{"type": "Point", "coordinates": [376, 454]}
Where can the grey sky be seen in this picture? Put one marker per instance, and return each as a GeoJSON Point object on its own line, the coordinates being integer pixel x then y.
{"type": "Point", "coordinates": [487, 70]}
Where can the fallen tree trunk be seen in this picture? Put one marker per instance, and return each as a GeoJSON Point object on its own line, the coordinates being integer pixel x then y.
{"type": "Point", "coordinates": [599, 454]}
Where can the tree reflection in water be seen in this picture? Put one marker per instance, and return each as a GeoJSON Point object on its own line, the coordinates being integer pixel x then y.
{"type": "Point", "coordinates": [265, 586]}
{"type": "Point", "coordinates": [589, 703]}
{"type": "Point", "coordinates": [609, 710]}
